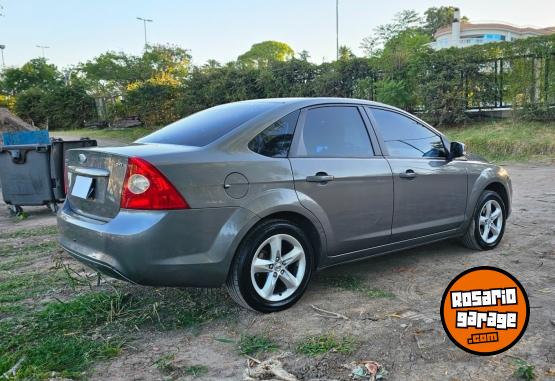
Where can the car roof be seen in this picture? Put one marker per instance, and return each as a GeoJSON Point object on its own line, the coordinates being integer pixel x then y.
{"type": "Point", "coordinates": [311, 101]}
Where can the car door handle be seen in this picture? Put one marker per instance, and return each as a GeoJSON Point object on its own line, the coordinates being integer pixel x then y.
{"type": "Point", "coordinates": [320, 177]}
{"type": "Point", "coordinates": [409, 174]}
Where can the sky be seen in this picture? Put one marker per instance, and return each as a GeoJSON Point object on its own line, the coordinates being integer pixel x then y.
{"type": "Point", "coordinates": [79, 30]}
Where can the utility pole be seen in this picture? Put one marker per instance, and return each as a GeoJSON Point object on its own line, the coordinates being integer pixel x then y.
{"type": "Point", "coordinates": [144, 25]}
{"type": "Point", "coordinates": [42, 47]}
{"type": "Point", "coordinates": [2, 47]}
{"type": "Point", "coordinates": [337, 28]}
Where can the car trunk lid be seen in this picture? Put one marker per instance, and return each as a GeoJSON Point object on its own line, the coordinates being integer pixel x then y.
{"type": "Point", "coordinates": [94, 182]}
{"type": "Point", "coordinates": [96, 175]}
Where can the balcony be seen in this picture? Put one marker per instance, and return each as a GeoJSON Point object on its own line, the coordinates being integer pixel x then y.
{"type": "Point", "coordinates": [461, 43]}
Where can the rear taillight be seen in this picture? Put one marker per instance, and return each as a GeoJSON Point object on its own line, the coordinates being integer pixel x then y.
{"type": "Point", "coordinates": [145, 187]}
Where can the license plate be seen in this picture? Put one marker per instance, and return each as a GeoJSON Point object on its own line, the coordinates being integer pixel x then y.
{"type": "Point", "coordinates": [82, 187]}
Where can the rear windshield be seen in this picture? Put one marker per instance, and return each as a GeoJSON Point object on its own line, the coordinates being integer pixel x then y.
{"type": "Point", "coordinates": [208, 125]}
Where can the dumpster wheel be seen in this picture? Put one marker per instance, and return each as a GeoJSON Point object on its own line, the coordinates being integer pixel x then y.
{"type": "Point", "coordinates": [15, 210]}
{"type": "Point", "coordinates": [53, 207]}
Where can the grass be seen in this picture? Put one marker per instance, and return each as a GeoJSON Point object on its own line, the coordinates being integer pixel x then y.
{"type": "Point", "coordinates": [253, 344]}
{"type": "Point", "coordinates": [18, 287]}
{"type": "Point", "coordinates": [66, 337]}
{"type": "Point", "coordinates": [507, 140]}
{"type": "Point", "coordinates": [196, 370]}
{"type": "Point", "coordinates": [317, 345]}
{"type": "Point", "coordinates": [524, 370]}
{"type": "Point", "coordinates": [56, 324]}
{"type": "Point", "coordinates": [127, 135]}
{"type": "Point", "coordinates": [355, 284]}
{"type": "Point", "coordinates": [29, 233]}
{"type": "Point", "coordinates": [166, 366]}
{"type": "Point", "coordinates": [57, 339]}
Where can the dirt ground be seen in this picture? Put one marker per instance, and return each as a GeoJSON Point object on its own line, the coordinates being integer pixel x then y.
{"type": "Point", "coordinates": [403, 332]}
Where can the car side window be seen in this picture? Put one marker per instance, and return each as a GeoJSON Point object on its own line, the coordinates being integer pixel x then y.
{"type": "Point", "coordinates": [404, 137]}
{"type": "Point", "coordinates": [275, 140]}
{"type": "Point", "coordinates": [336, 131]}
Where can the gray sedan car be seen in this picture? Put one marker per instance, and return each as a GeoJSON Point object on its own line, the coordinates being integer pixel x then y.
{"type": "Point", "coordinates": [257, 195]}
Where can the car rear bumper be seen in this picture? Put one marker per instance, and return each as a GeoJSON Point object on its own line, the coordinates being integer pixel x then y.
{"type": "Point", "coordinates": [182, 248]}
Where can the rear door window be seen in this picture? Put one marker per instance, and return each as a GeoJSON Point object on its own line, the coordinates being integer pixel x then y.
{"type": "Point", "coordinates": [275, 140]}
{"type": "Point", "coordinates": [335, 131]}
{"type": "Point", "coordinates": [206, 126]}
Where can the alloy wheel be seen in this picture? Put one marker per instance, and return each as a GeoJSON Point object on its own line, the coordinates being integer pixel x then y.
{"type": "Point", "coordinates": [490, 221]}
{"type": "Point", "coordinates": [278, 267]}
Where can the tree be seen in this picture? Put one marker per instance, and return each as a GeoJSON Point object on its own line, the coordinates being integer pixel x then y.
{"type": "Point", "coordinates": [304, 55]}
{"type": "Point", "coordinates": [345, 53]}
{"type": "Point", "coordinates": [29, 106]}
{"type": "Point", "coordinates": [402, 21]}
{"type": "Point", "coordinates": [263, 53]}
{"type": "Point", "coordinates": [167, 61]}
{"type": "Point", "coordinates": [370, 45]}
{"type": "Point", "coordinates": [398, 50]}
{"type": "Point", "coordinates": [112, 72]}
{"type": "Point", "coordinates": [153, 101]}
{"type": "Point", "coordinates": [437, 17]}
{"type": "Point", "coordinates": [35, 73]}
{"type": "Point", "coordinates": [64, 107]}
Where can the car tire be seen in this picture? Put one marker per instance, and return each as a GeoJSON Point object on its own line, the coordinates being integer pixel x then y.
{"type": "Point", "coordinates": [486, 230]}
{"type": "Point", "coordinates": [268, 276]}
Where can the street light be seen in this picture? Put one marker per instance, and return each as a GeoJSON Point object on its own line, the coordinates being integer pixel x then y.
{"type": "Point", "coordinates": [144, 25]}
{"type": "Point", "coordinates": [2, 47]}
{"type": "Point", "coordinates": [337, 28]}
{"type": "Point", "coordinates": [42, 47]}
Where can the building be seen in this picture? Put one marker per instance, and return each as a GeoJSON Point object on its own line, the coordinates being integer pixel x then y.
{"type": "Point", "coordinates": [463, 34]}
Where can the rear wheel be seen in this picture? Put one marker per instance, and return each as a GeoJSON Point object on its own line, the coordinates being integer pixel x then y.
{"type": "Point", "coordinates": [53, 207]}
{"type": "Point", "coordinates": [272, 267]}
{"type": "Point", "coordinates": [488, 223]}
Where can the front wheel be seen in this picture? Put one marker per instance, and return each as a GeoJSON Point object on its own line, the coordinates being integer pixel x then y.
{"type": "Point", "coordinates": [488, 223]}
{"type": "Point", "coordinates": [272, 267]}
{"type": "Point", "coordinates": [15, 210]}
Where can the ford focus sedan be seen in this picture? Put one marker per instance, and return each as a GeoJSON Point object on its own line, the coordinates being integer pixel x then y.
{"type": "Point", "coordinates": [257, 195]}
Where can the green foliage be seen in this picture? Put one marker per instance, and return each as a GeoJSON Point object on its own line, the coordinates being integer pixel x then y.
{"type": "Point", "coordinates": [65, 337]}
{"type": "Point", "coordinates": [437, 17]}
{"type": "Point", "coordinates": [62, 107]}
{"type": "Point", "coordinates": [507, 139]}
{"type": "Point", "coordinates": [355, 284]}
{"type": "Point", "coordinates": [160, 85]}
{"type": "Point", "coordinates": [524, 370]}
{"type": "Point", "coordinates": [59, 338]}
{"type": "Point", "coordinates": [36, 73]}
{"type": "Point", "coordinates": [376, 293]}
{"type": "Point", "coordinates": [262, 53]}
{"type": "Point", "coordinates": [29, 106]}
{"type": "Point", "coordinates": [28, 233]}
{"type": "Point", "coordinates": [253, 344]}
{"type": "Point", "coordinates": [395, 93]}
{"type": "Point", "coordinates": [112, 72]}
{"type": "Point", "coordinates": [320, 344]}
{"type": "Point", "coordinates": [153, 101]}
{"type": "Point", "coordinates": [196, 370]}
{"type": "Point", "coordinates": [68, 107]}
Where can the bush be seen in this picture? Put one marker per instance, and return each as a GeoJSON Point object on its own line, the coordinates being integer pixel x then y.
{"type": "Point", "coordinates": [395, 93]}
{"type": "Point", "coordinates": [29, 106]}
{"type": "Point", "coordinates": [154, 101]}
{"type": "Point", "coordinates": [64, 107]}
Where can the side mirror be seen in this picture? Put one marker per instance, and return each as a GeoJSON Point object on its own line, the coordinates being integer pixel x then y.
{"type": "Point", "coordinates": [457, 149]}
